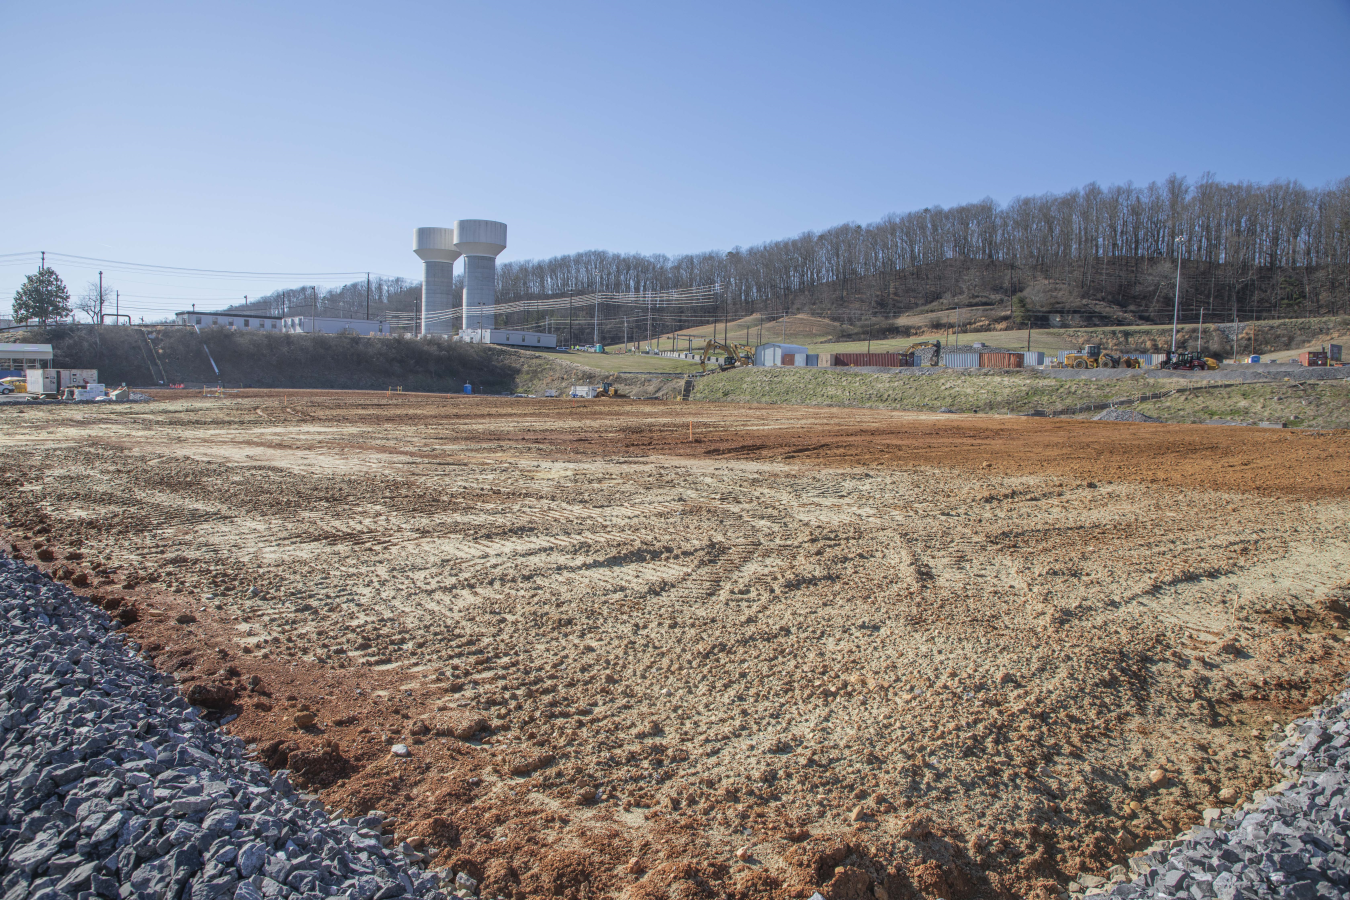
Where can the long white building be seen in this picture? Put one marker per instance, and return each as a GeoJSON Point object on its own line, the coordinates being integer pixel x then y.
{"type": "Point", "coordinates": [242, 321]}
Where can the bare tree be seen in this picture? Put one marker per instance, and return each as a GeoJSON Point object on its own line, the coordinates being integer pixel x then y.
{"type": "Point", "coordinates": [94, 300]}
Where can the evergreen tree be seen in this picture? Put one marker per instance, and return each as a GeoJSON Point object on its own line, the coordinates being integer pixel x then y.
{"type": "Point", "coordinates": [43, 297]}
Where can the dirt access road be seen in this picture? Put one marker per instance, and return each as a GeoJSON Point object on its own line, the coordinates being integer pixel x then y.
{"type": "Point", "coordinates": [873, 653]}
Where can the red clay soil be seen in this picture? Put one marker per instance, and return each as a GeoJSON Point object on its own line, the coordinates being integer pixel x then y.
{"type": "Point", "coordinates": [1268, 462]}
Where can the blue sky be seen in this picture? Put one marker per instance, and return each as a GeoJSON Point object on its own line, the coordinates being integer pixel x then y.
{"type": "Point", "coordinates": [313, 137]}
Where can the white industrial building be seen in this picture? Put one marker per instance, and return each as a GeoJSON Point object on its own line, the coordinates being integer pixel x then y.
{"type": "Point", "coordinates": [322, 325]}
{"type": "Point", "coordinates": [236, 320]}
{"type": "Point", "coordinates": [16, 358]}
{"type": "Point", "coordinates": [509, 338]}
{"type": "Point", "coordinates": [242, 321]}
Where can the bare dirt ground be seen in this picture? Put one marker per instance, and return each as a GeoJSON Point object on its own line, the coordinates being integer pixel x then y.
{"type": "Point", "coordinates": [867, 652]}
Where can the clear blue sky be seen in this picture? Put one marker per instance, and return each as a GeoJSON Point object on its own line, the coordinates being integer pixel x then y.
{"type": "Point", "coordinates": [309, 137]}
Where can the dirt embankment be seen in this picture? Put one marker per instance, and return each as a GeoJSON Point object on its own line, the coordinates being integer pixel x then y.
{"type": "Point", "coordinates": [800, 649]}
{"type": "Point", "coordinates": [174, 355]}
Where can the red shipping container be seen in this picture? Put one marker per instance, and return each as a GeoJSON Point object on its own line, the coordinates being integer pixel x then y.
{"type": "Point", "coordinates": [880, 360]}
{"type": "Point", "coordinates": [789, 359]}
{"type": "Point", "coordinates": [1000, 360]}
{"type": "Point", "coordinates": [1313, 358]}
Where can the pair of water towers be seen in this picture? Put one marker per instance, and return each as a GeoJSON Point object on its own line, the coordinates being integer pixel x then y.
{"type": "Point", "coordinates": [479, 241]}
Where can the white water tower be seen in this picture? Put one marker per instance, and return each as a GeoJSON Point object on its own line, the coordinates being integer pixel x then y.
{"type": "Point", "coordinates": [436, 248]}
{"type": "Point", "coordinates": [480, 240]}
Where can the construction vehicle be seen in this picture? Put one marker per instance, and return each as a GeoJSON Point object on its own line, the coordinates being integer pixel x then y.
{"type": "Point", "coordinates": [1196, 362]}
{"type": "Point", "coordinates": [919, 351]}
{"type": "Point", "coordinates": [732, 355]}
{"type": "Point", "coordinates": [607, 389]}
{"type": "Point", "coordinates": [1092, 357]}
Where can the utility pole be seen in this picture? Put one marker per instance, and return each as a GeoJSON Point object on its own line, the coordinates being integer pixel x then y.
{"type": "Point", "coordinates": [43, 264]}
{"type": "Point", "coordinates": [100, 297]}
{"type": "Point", "coordinates": [1200, 334]}
{"type": "Point", "coordinates": [569, 321]}
{"type": "Point", "coordinates": [595, 331]}
{"type": "Point", "coordinates": [117, 306]}
{"type": "Point", "coordinates": [367, 296]}
{"type": "Point", "coordinates": [1176, 306]}
{"type": "Point", "coordinates": [625, 334]}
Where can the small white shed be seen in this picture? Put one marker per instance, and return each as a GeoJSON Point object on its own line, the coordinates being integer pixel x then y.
{"type": "Point", "coordinates": [780, 355]}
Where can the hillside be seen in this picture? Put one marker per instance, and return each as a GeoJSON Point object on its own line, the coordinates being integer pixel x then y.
{"type": "Point", "coordinates": [336, 362]}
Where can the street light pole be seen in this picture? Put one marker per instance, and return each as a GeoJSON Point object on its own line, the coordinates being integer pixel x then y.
{"type": "Point", "coordinates": [1176, 306]}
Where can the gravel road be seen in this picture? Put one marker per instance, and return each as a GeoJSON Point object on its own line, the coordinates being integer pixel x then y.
{"type": "Point", "coordinates": [114, 787]}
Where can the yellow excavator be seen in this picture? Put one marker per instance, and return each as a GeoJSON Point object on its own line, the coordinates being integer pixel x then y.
{"type": "Point", "coordinates": [935, 346]}
{"type": "Point", "coordinates": [732, 355]}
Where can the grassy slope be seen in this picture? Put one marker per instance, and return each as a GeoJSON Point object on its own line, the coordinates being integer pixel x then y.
{"type": "Point", "coordinates": [1312, 404]}
{"type": "Point", "coordinates": [981, 391]}
{"type": "Point", "coordinates": [540, 372]}
{"type": "Point", "coordinates": [623, 362]}
{"type": "Point", "coordinates": [1328, 403]}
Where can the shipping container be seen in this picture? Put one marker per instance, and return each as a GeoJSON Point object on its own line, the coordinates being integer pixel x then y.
{"type": "Point", "coordinates": [998, 359]}
{"type": "Point", "coordinates": [880, 360]}
{"type": "Point", "coordinates": [961, 359]}
{"type": "Point", "coordinates": [813, 359]}
{"type": "Point", "coordinates": [1334, 352]}
{"type": "Point", "coordinates": [1033, 358]}
{"type": "Point", "coordinates": [1312, 358]}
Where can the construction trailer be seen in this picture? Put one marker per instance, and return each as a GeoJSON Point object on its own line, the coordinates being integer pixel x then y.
{"type": "Point", "coordinates": [53, 381]}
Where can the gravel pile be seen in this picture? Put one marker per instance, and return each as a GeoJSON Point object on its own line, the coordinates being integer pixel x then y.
{"type": "Point", "coordinates": [111, 785]}
{"type": "Point", "coordinates": [1122, 415]}
{"type": "Point", "coordinates": [1294, 842]}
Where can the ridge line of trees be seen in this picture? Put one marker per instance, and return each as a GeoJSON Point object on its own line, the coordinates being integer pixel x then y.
{"type": "Point", "coordinates": [1262, 250]}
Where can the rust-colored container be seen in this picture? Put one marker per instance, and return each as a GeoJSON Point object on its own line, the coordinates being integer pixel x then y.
{"type": "Point", "coordinates": [1000, 360]}
{"type": "Point", "coordinates": [881, 360]}
{"type": "Point", "coordinates": [1313, 358]}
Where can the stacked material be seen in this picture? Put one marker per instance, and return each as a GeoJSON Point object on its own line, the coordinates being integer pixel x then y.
{"type": "Point", "coordinates": [111, 786]}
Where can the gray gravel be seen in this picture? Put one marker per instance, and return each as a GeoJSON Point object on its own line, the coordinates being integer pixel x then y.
{"type": "Point", "coordinates": [1123, 415]}
{"type": "Point", "coordinates": [112, 786]}
{"type": "Point", "coordinates": [1294, 842]}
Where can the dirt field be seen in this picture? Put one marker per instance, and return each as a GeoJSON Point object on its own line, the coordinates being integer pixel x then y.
{"type": "Point", "coordinates": [873, 653]}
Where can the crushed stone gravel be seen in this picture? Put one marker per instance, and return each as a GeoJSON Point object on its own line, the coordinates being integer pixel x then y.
{"type": "Point", "coordinates": [111, 785]}
{"type": "Point", "coordinates": [1291, 842]}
